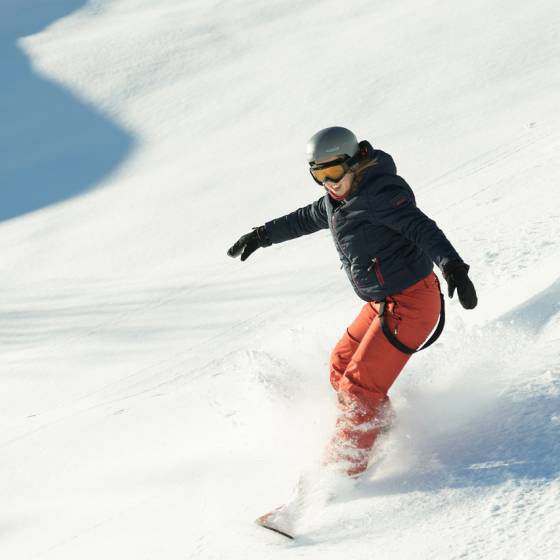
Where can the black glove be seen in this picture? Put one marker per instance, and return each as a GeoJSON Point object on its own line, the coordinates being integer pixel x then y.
{"type": "Point", "coordinates": [249, 243]}
{"type": "Point", "coordinates": [456, 275]}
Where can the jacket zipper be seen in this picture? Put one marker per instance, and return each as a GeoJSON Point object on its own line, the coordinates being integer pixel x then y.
{"type": "Point", "coordinates": [376, 265]}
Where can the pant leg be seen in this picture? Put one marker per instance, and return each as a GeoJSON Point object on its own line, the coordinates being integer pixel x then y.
{"type": "Point", "coordinates": [348, 344]}
{"type": "Point", "coordinates": [373, 367]}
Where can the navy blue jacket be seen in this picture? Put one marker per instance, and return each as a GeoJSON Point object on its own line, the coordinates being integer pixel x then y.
{"type": "Point", "coordinates": [385, 242]}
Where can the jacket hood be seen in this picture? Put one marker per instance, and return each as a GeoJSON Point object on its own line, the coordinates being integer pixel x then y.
{"type": "Point", "coordinates": [382, 164]}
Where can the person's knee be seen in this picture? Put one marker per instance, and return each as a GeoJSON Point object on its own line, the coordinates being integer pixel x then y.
{"type": "Point", "coordinates": [337, 362]}
{"type": "Point", "coordinates": [336, 367]}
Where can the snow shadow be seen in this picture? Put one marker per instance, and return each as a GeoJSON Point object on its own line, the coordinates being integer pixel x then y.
{"type": "Point", "coordinates": [53, 145]}
{"type": "Point", "coordinates": [125, 314]}
{"type": "Point", "coordinates": [536, 313]}
{"type": "Point", "coordinates": [516, 440]}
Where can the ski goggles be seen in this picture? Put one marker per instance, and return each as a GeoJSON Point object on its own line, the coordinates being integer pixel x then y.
{"type": "Point", "coordinates": [330, 171]}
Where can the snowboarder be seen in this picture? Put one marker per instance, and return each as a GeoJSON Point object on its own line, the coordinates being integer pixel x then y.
{"type": "Point", "coordinates": [387, 247]}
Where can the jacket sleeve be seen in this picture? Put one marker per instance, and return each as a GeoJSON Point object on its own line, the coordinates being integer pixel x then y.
{"type": "Point", "coordinates": [303, 221]}
{"type": "Point", "coordinates": [395, 207]}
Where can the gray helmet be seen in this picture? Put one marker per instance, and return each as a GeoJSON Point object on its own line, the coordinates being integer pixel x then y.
{"type": "Point", "coordinates": [332, 141]}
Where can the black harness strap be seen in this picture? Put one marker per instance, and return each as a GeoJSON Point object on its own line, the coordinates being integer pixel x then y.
{"type": "Point", "coordinates": [397, 343]}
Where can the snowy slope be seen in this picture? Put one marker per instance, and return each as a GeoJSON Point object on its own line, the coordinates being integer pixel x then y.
{"type": "Point", "coordinates": [156, 396]}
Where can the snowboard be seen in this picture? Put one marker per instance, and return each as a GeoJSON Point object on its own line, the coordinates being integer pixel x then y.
{"type": "Point", "coordinates": [269, 521]}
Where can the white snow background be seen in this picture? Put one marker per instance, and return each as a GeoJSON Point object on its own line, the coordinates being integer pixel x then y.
{"type": "Point", "coordinates": [156, 395]}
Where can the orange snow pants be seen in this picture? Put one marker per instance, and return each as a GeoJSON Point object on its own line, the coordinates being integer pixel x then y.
{"type": "Point", "coordinates": [364, 365]}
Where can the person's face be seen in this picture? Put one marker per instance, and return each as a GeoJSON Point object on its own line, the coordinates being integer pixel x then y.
{"type": "Point", "coordinates": [338, 189]}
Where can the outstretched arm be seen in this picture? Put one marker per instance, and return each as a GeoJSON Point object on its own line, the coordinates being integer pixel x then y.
{"type": "Point", "coordinates": [303, 221]}
{"type": "Point", "coordinates": [306, 220]}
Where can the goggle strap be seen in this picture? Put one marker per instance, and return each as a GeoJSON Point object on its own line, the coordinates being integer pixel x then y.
{"type": "Point", "coordinates": [319, 166]}
{"type": "Point", "coordinates": [362, 153]}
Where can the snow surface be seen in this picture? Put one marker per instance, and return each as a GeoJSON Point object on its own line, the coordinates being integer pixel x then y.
{"type": "Point", "coordinates": [157, 396]}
